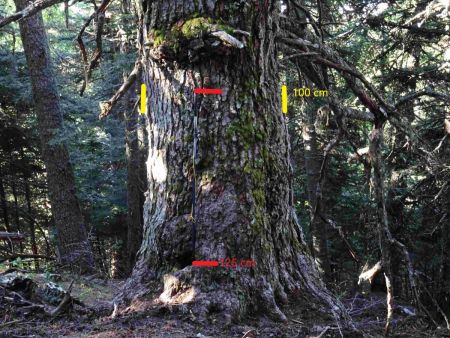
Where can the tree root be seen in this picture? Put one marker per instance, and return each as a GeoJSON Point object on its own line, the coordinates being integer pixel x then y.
{"type": "Point", "coordinates": [204, 293]}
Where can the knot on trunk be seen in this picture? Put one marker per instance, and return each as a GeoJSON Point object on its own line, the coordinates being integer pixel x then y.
{"type": "Point", "coordinates": [193, 40]}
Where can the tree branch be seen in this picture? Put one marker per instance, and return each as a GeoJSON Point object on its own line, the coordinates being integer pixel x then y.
{"type": "Point", "coordinates": [379, 21]}
{"type": "Point", "coordinates": [425, 92]}
{"type": "Point", "coordinates": [88, 67]}
{"type": "Point", "coordinates": [11, 236]}
{"type": "Point", "coordinates": [106, 107]}
{"type": "Point", "coordinates": [30, 10]}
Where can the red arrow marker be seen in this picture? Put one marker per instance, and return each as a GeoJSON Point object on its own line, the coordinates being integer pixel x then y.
{"type": "Point", "coordinates": [208, 91]}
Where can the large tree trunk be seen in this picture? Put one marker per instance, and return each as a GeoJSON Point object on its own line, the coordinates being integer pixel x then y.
{"type": "Point", "coordinates": [74, 248]}
{"type": "Point", "coordinates": [244, 204]}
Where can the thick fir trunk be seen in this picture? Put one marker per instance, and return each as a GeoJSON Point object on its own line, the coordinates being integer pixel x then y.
{"type": "Point", "coordinates": [74, 248]}
{"type": "Point", "coordinates": [244, 204]}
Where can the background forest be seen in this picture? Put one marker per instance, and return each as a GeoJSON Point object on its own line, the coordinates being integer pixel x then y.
{"type": "Point", "coordinates": [402, 48]}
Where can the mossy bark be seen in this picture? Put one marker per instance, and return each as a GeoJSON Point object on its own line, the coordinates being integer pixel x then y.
{"type": "Point", "coordinates": [244, 206]}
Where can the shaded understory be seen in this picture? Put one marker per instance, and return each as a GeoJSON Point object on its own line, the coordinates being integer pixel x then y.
{"type": "Point", "coordinates": [147, 318]}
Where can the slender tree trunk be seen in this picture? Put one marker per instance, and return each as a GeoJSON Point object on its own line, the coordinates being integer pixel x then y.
{"type": "Point", "coordinates": [34, 248]}
{"type": "Point", "coordinates": [136, 171]}
{"type": "Point", "coordinates": [376, 139]}
{"type": "Point", "coordinates": [74, 248]}
{"type": "Point", "coordinates": [243, 201]}
{"type": "Point", "coordinates": [4, 205]}
{"type": "Point", "coordinates": [16, 213]}
{"type": "Point", "coordinates": [313, 163]}
{"type": "Point", "coordinates": [136, 177]}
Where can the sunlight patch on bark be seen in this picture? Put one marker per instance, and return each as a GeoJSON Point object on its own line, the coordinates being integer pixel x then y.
{"type": "Point", "coordinates": [173, 291]}
{"type": "Point", "coordinates": [157, 166]}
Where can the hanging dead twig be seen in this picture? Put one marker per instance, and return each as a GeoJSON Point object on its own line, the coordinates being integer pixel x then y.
{"type": "Point", "coordinates": [99, 14]}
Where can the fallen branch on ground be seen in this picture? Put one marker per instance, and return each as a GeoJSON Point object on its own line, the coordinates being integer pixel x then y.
{"type": "Point", "coordinates": [10, 323]}
{"type": "Point", "coordinates": [64, 303]}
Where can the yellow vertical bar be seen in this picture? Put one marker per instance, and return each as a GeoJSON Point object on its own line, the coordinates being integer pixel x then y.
{"type": "Point", "coordinates": [284, 99]}
{"type": "Point", "coordinates": [143, 98]}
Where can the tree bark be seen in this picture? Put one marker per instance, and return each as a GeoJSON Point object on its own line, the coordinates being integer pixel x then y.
{"type": "Point", "coordinates": [16, 212]}
{"type": "Point", "coordinates": [34, 248]}
{"type": "Point", "coordinates": [136, 176]}
{"type": "Point", "coordinates": [313, 164]}
{"type": "Point", "coordinates": [135, 153]}
{"type": "Point", "coordinates": [244, 203]}
{"type": "Point", "coordinates": [4, 205]}
{"type": "Point", "coordinates": [384, 236]}
{"type": "Point", "coordinates": [74, 248]}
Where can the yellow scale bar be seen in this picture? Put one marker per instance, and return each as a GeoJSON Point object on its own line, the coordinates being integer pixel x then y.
{"type": "Point", "coordinates": [284, 99]}
{"type": "Point", "coordinates": [143, 99]}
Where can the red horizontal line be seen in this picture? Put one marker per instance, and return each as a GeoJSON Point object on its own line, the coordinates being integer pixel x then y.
{"type": "Point", "coordinates": [205, 263]}
{"type": "Point", "coordinates": [208, 91]}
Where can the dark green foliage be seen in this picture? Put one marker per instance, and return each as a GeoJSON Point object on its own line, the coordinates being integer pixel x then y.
{"type": "Point", "coordinates": [97, 148]}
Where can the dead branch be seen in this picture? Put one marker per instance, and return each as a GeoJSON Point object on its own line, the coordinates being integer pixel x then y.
{"type": "Point", "coordinates": [10, 323]}
{"type": "Point", "coordinates": [342, 235]}
{"type": "Point", "coordinates": [28, 11]}
{"type": "Point", "coordinates": [323, 332]}
{"type": "Point", "coordinates": [425, 92]}
{"type": "Point", "coordinates": [64, 302]}
{"type": "Point", "coordinates": [229, 39]}
{"type": "Point", "coordinates": [374, 21]}
{"type": "Point", "coordinates": [89, 66]}
{"type": "Point", "coordinates": [249, 334]}
{"type": "Point", "coordinates": [436, 304]}
{"type": "Point", "coordinates": [358, 114]}
{"type": "Point", "coordinates": [11, 236]}
{"type": "Point", "coordinates": [15, 256]}
{"type": "Point", "coordinates": [331, 58]}
{"type": "Point", "coordinates": [308, 15]}
{"type": "Point", "coordinates": [370, 274]}
{"type": "Point", "coordinates": [299, 55]}
{"type": "Point", "coordinates": [106, 107]}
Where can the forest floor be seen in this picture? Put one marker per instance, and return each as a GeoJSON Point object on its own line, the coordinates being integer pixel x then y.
{"type": "Point", "coordinates": [147, 319]}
